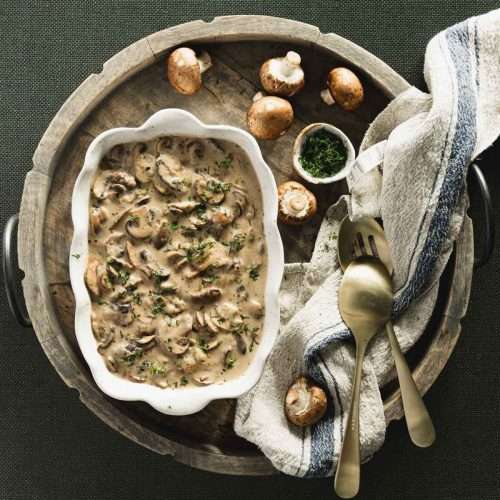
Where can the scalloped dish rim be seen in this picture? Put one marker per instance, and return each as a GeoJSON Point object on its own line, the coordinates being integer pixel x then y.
{"type": "Point", "coordinates": [182, 401]}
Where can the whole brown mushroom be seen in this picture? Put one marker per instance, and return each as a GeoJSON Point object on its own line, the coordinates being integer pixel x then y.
{"type": "Point", "coordinates": [184, 70]}
{"type": "Point", "coordinates": [269, 117]}
{"type": "Point", "coordinates": [344, 88]}
{"type": "Point", "coordinates": [282, 76]}
{"type": "Point", "coordinates": [296, 204]}
{"type": "Point", "coordinates": [305, 403]}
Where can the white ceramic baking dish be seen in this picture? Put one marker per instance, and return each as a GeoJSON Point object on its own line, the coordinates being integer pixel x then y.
{"type": "Point", "coordinates": [182, 401]}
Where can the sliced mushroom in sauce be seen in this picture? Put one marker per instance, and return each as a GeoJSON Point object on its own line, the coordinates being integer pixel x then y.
{"type": "Point", "coordinates": [175, 229]}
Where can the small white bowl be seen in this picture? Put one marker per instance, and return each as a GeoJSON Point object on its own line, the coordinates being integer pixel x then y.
{"type": "Point", "coordinates": [186, 400]}
{"type": "Point", "coordinates": [297, 149]}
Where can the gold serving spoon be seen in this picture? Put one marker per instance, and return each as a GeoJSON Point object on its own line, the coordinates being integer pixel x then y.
{"type": "Point", "coordinates": [366, 237]}
{"type": "Point", "coordinates": [365, 302]}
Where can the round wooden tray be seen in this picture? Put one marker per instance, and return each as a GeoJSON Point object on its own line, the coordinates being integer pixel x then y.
{"type": "Point", "coordinates": [129, 89]}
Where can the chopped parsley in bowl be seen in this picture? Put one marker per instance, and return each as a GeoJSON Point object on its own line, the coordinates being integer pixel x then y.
{"type": "Point", "coordinates": [322, 154]}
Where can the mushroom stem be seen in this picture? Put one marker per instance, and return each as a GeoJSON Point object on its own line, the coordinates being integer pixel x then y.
{"type": "Point", "coordinates": [305, 403]}
{"type": "Point", "coordinates": [205, 61]}
{"type": "Point", "coordinates": [258, 96]}
{"type": "Point", "coordinates": [290, 63]}
{"type": "Point", "coordinates": [327, 97]}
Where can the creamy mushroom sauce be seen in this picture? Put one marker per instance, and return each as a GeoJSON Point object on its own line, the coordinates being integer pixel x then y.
{"type": "Point", "coordinates": [177, 261]}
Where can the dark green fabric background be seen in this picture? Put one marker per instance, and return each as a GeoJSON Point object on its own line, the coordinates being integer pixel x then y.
{"type": "Point", "coordinates": [51, 447]}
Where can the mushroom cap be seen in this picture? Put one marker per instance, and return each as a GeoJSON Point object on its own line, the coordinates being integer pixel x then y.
{"type": "Point", "coordinates": [161, 234]}
{"type": "Point", "coordinates": [134, 255]}
{"type": "Point", "coordinates": [98, 215]}
{"type": "Point", "coordinates": [180, 345]}
{"type": "Point", "coordinates": [305, 403]}
{"type": "Point", "coordinates": [269, 117]}
{"type": "Point", "coordinates": [296, 204]}
{"type": "Point", "coordinates": [210, 293]}
{"type": "Point", "coordinates": [204, 378]}
{"type": "Point", "coordinates": [112, 181]}
{"type": "Point", "coordinates": [137, 225]}
{"type": "Point", "coordinates": [91, 278]}
{"type": "Point", "coordinates": [167, 173]}
{"type": "Point", "coordinates": [282, 76]}
{"type": "Point", "coordinates": [345, 88]}
{"type": "Point", "coordinates": [209, 190]}
{"type": "Point", "coordinates": [144, 167]}
{"type": "Point", "coordinates": [184, 71]}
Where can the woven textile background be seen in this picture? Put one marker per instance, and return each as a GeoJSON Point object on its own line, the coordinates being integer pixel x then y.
{"type": "Point", "coordinates": [51, 446]}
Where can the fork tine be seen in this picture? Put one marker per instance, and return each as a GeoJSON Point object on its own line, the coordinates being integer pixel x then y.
{"type": "Point", "coordinates": [356, 249]}
{"type": "Point", "coordinates": [368, 250]}
{"type": "Point", "coordinates": [361, 243]}
{"type": "Point", "coordinates": [373, 246]}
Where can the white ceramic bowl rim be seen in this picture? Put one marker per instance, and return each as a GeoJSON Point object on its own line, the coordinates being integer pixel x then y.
{"type": "Point", "coordinates": [310, 129]}
{"type": "Point", "coordinates": [186, 400]}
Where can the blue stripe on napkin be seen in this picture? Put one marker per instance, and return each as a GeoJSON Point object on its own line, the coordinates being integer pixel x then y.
{"type": "Point", "coordinates": [322, 434]}
{"type": "Point", "coordinates": [464, 141]}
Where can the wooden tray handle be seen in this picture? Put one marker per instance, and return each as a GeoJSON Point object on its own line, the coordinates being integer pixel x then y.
{"type": "Point", "coordinates": [489, 227]}
{"type": "Point", "coordinates": [9, 272]}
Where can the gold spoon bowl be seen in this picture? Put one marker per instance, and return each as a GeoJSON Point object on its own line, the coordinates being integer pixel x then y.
{"type": "Point", "coordinates": [365, 303]}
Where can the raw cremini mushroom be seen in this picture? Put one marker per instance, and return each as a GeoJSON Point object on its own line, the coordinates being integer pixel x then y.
{"type": "Point", "coordinates": [343, 88]}
{"type": "Point", "coordinates": [282, 76]}
{"type": "Point", "coordinates": [305, 403]}
{"type": "Point", "coordinates": [269, 117]}
{"type": "Point", "coordinates": [184, 69]}
{"type": "Point", "coordinates": [296, 204]}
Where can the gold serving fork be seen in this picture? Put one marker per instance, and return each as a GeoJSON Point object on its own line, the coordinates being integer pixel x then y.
{"type": "Point", "coordinates": [366, 238]}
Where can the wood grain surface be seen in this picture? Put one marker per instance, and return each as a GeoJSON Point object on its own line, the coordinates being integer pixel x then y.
{"type": "Point", "coordinates": [130, 88]}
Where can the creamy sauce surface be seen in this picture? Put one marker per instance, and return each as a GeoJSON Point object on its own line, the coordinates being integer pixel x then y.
{"type": "Point", "coordinates": [177, 261]}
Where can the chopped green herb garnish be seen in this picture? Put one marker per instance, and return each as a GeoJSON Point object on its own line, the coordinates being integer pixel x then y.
{"type": "Point", "coordinates": [323, 154]}
{"type": "Point", "coordinates": [229, 361]}
{"type": "Point", "coordinates": [156, 369]}
{"type": "Point", "coordinates": [174, 226]}
{"type": "Point", "coordinates": [237, 243]}
{"type": "Point", "coordinates": [201, 209]}
{"type": "Point", "coordinates": [209, 276]}
{"type": "Point", "coordinates": [158, 306]}
{"type": "Point", "coordinates": [208, 280]}
{"type": "Point", "coordinates": [123, 276]}
{"type": "Point", "coordinates": [133, 219]}
{"type": "Point", "coordinates": [226, 163]}
{"type": "Point", "coordinates": [254, 273]}
{"type": "Point", "coordinates": [76, 255]}
{"type": "Point", "coordinates": [202, 344]}
{"type": "Point", "coordinates": [134, 353]}
{"type": "Point", "coordinates": [197, 252]}
{"type": "Point", "coordinates": [158, 277]}
{"type": "Point", "coordinates": [240, 329]}
{"type": "Point", "coordinates": [218, 187]}
{"type": "Point", "coordinates": [184, 380]}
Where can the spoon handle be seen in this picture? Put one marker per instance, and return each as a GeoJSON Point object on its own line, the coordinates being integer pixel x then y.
{"type": "Point", "coordinates": [418, 420]}
{"type": "Point", "coordinates": [348, 467]}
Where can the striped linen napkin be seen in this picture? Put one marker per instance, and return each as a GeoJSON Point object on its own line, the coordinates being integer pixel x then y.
{"type": "Point", "coordinates": [426, 143]}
